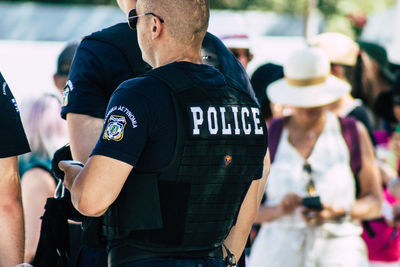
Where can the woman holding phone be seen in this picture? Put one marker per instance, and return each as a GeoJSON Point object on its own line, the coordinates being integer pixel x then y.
{"type": "Point", "coordinates": [314, 201]}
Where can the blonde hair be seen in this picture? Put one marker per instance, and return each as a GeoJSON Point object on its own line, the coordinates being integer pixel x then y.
{"type": "Point", "coordinates": [45, 129]}
{"type": "Point", "coordinates": [186, 20]}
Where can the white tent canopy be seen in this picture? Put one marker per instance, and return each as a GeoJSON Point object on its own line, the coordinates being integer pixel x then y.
{"type": "Point", "coordinates": [384, 28]}
{"type": "Point", "coordinates": [32, 35]}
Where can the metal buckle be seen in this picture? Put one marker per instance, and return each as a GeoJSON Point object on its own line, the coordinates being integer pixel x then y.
{"type": "Point", "coordinates": [230, 259]}
{"type": "Point", "coordinates": [60, 190]}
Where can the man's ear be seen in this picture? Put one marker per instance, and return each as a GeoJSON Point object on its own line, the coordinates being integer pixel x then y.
{"type": "Point", "coordinates": [251, 56]}
{"type": "Point", "coordinates": [156, 28]}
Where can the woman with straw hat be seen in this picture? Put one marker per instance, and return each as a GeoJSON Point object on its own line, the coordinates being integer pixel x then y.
{"type": "Point", "coordinates": [313, 210]}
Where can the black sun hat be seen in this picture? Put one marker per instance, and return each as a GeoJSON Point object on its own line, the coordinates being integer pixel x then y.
{"type": "Point", "coordinates": [379, 54]}
{"type": "Point", "coordinates": [65, 58]}
{"type": "Point", "coordinates": [387, 99]}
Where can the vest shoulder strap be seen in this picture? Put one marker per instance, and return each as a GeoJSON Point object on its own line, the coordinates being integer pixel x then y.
{"type": "Point", "coordinates": [125, 40]}
{"type": "Point", "coordinates": [274, 134]}
{"type": "Point", "coordinates": [177, 81]}
{"type": "Point", "coordinates": [175, 78]}
{"type": "Point", "coordinates": [350, 135]}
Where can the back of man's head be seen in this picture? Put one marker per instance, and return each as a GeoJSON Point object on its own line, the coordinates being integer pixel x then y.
{"type": "Point", "coordinates": [185, 20]}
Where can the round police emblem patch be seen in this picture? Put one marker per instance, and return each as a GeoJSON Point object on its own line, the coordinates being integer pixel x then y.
{"type": "Point", "coordinates": [115, 128]}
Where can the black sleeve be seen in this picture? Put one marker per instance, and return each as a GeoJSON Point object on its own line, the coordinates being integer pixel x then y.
{"type": "Point", "coordinates": [126, 126]}
{"type": "Point", "coordinates": [97, 70]}
{"type": "Point", "coordinates": [13, 140]}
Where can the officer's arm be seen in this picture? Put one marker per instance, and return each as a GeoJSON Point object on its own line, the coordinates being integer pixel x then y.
{"type": "Point", "coordinates": [368, 206]}
{"type": "Point", "coordinates": [11, 216]}
{"type": "Point", "coordinates": [238, 235]}
{"type": "Point", "coordinates": [96, 186]}
{"type": "Point", "coordinates": [84, 131]}
{"type": "Point", "coordinates": [263, 182]}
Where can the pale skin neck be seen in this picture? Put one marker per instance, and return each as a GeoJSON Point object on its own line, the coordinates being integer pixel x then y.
{"type": "Point", "coordinates": [303, 134]}
{"type": "Point", "coordinates": [310, 126]}
{"type": "Point", "coordinates": [126, 6]}
{"type": "Point", "coordinates": [168, 54]}
{"type": "Point", "coordinates": [340, 105]}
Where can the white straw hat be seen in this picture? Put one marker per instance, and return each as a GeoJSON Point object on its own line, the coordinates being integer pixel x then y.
{"type": "Point", "coordinates": [341, 49]}
{"type": "Point", "coordinates": [307, 81]}
{"type": "Point", "coordinates": [236, 41]}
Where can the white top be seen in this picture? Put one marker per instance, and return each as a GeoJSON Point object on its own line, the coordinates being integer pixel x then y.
{"type": "Point", "coordinates": [333, 178]}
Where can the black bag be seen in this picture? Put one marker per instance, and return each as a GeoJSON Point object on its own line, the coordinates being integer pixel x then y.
{"type": "Point", "coordinates": [53, 247]}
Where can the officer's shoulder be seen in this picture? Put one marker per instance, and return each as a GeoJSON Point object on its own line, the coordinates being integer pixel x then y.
{"type": "Point", "coordinates": [118, 36]}
{"type": "Point", "coordinates": [117, 29]}
{"type": "Point", "coordinates": [105, 42]}
{"type": "Point", "coordinates": [143, 85]}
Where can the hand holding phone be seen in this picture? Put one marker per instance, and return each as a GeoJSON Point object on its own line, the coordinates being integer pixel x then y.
{"type": "Point", "coordinates": [312, 203]}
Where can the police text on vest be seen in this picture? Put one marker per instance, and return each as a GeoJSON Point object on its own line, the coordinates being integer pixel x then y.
{"type": "Point", "coordinates": [231, 120]}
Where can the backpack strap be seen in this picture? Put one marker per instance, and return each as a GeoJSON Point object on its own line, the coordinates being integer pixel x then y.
{"type": "Point", "coordinates": [350, 135]}
{"type": "Point", "coordinates": [274, 134]}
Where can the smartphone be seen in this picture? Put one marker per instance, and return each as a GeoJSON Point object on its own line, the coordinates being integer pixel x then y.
{"type": "Point", "coordinates": [313, 203]}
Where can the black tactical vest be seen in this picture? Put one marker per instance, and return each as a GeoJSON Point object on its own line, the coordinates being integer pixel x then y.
{"type": "Point", "coordinates": [192, 203]}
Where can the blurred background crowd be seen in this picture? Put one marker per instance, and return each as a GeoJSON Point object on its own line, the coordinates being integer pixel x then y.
{"type": "Point", "coordinates": [360, 39]}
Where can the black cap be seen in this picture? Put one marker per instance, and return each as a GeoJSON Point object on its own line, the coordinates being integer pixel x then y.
{"type": "Point", "coordinates": [65, 59]}
{"type": "Point", "coordinates": [387, 99]}
{"type": "Point", "coordinates": [379, 54]}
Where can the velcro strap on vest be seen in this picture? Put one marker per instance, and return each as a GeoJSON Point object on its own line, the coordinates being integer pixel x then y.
{"type": "Point", "coordinates": [139, 198]}
{"type": "Point", "coordinates": [122, 252]}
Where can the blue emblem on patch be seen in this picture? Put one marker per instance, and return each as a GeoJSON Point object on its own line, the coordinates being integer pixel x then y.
{"type": "Point", "coordinates": [115, 128]}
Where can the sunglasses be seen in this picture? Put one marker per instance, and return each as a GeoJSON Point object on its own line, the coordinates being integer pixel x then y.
{"type": "Point", "coordinates": [310, 187]}
{"type": "Point", "coordinates": [133, 18]}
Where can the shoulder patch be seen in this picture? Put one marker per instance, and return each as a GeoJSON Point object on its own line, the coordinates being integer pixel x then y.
{"type": "Point", "coordinates": [15, 105]}
{"type": "Point", "coordinates": [115, 128]}
{"type": "Point", "coordinates": [68, 88]}
{"type": "Point", "coordinates": [4, 88]}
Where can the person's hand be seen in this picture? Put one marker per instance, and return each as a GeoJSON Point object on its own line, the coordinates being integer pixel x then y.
{"type": "Point", "coordinates": [71, 169]}
{"type": "Point", "coordinates": [289, 203]}
{"type": "Point", "coordinates": [328, 213]}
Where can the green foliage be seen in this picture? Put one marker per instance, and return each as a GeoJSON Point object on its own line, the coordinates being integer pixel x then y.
{"type": "Point", "coordinates": [327, 7]}
{"type": "Point", "coordinates": [90, 2]}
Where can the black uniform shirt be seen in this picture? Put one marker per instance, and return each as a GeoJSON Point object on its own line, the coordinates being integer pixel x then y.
{"type": "Point", "coordinates": [140, 124]}
{"type": "Point", "coordinates": [13, 140]}
{"type": "Point", "coordinates": [139, 119]}
{"type": "Point", "coordinates": [97, 70]}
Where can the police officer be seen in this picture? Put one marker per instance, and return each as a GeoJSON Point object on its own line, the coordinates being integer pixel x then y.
{"type": "Point", "coordinates": [103, 61]}
{"type": "Point", "coordinates": [13, 142]}
{"type": "Point", "coordinates": [109, 57]}
{"type": "Point", "coordinates": [176, 171]}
